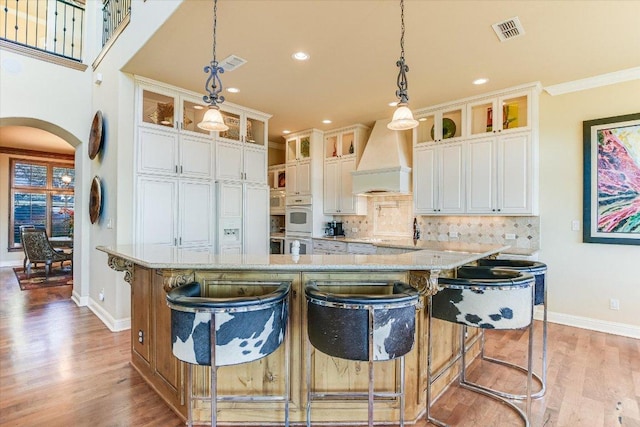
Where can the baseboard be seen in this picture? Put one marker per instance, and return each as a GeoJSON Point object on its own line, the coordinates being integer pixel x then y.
{"type": "Point", "coordinates": [114, 325]}
{"type": "Point", "coordinates": [16, 263]}
{"type": "Point", "coordinates": [79, 300]}
{"type": "Point", "coordinates": [614, 328]}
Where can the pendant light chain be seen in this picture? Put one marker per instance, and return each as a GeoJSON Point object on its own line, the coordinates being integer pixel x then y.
{"type": "Point", "coordinates": [401, 93]}
{"type": "Point", "coordinates": [214, 85]}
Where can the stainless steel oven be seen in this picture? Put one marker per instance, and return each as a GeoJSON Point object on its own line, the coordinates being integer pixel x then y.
{"type": "Point", "coordinates": [298, 216]}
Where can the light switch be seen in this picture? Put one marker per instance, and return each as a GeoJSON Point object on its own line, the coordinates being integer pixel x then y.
{"type": "Point", "coordinates": [575, 225]}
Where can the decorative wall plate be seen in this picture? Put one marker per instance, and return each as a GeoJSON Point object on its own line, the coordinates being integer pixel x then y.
{"type": "Point", "coordinates": [95, 136]}
{"type": "Point", "coordinates": [95, 200]}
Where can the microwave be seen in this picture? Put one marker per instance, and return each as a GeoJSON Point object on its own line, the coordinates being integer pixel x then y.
{"type": "Point", "coordinates": [277, 202]}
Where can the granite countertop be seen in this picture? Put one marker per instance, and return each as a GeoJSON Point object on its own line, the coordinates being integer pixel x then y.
{"type": "Point", "coordinates": [427, 257]}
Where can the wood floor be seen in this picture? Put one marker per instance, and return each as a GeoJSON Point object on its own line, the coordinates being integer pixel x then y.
{"type": "Point", "coordinates": [60, 366]}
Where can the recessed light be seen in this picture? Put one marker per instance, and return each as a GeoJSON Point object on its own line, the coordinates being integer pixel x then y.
{"type": "Point", "coordinates": [326, 121]}
{"type": "Point", "coordinates": [480, 81]}
{"type": "Point", "coordinates": [286, 131]}
{"type": "Point", "coordinates": [393, 104]}
{"type": "Point", "coordinates": [198, 107]}
{"type": "Point", "coordinates": [300, 56]}
{"type": "Point", "coordinates": [233, 90]}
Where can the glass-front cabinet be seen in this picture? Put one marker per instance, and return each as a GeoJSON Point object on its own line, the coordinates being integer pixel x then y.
{"type": "Point", "coordinates": [298, 148]}
{"type": "Point", "coordinates": [244, 127]}
{"type": "Point", "coordinates": [440, 125]}
{"type": "Point", "coordinates": [171, 110]}
{"type": "Point", "coordinates": [500, 114]}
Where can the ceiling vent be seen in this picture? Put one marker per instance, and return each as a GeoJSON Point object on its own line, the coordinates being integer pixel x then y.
{"type": "Point", "coordinates": [232, 62]}
{"type": "Point", "coordinates": [508, 29]}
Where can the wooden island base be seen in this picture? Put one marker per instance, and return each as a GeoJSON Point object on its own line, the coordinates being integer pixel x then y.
{"type": "Point", "coordinates": [152, 356]}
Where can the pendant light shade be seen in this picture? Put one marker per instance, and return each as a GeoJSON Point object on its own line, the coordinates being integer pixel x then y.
{"type": "Point", "coordinates": [403, 117]}
{"type": "Point", "coordinates": [213, 120]}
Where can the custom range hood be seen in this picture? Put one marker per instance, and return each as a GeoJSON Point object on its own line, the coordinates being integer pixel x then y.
{"type": "Point", "coordinates": [384, 165]}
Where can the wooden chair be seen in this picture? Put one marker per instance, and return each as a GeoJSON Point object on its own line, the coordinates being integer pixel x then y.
{"type": "Point", "coordinates": [38, 249]}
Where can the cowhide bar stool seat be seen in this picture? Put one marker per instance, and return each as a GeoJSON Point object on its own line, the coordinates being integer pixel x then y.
{"type": "Point", "coordinates": [220, 331]}
{"type": "Point", "coordinates": [492, 299]}
{"type": "Point", "coordinates": [365, 327]}
{"type": "Point", "coordinates": [538, 270]}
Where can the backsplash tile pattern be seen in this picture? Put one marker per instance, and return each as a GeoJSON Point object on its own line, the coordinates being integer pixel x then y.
{"type": "Point", "coordinates": [393, 216]}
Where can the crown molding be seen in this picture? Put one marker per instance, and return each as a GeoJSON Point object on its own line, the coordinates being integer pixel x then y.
{"type": "Point", "coordinates": [594, 82]}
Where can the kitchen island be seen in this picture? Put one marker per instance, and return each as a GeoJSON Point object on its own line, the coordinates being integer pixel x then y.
{"type": "Point", "coordinates": [152, 271]}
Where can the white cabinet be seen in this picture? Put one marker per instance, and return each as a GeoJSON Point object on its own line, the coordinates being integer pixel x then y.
{"type": "Point", "coordinates": [243, 218]}
{"type": "Point", "coordinates": [342, 151]}
{"type": "Point", "coordinates": [170, 153]}
{"type": "Point", "coordinates": [503, 113]}
{"type": "Point", "coordinates": [478, 156]}
{"type": "Point", "coordinates": [439, 185]}
{"type": "Point", "coordinates": [500, 175]}
{"type": "Point", "coordinates": [241, 151]}
{"type": "Point", "coordinates": [440, 124]}
{"type": "Point", "coordinates": [301, 175]}
{"type": "Point", "coordinates": [175, 212]}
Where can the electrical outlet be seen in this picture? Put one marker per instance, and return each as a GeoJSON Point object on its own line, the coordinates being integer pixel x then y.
{"type": "Point", "coordinates": [575, 225]}
{"type": "Point", "coordinates": [101, 295]}
{"type": "Point", "coordinates": [510, 236]}
{"type": "Point", "coordinates": [354, 229]}
{"type": "Point", "coordinates": [453, 234]}
{"type": "Point", "coordinates": [614, 304]}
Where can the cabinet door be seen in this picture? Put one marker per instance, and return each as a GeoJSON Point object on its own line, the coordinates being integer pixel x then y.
{"type": "Point", "coordinates": [230, 200]}
{"type": "Point", "coordinates": [195, 156]}
{"type": "Point", "coordinates": [291, 187]}
{"type": "Point", "coordinates": [193, 111]}
{"type": "Point", "coordinates": [158, 107]}
{"type": "Point", "coordinates": [196, 213]}
{"type": "Point", "coordinates": [481, 166]}
{"type": "Point", "coordinates": [331, 187]}
{"type": "Point", "coordinates": [303, 178]}
{"type": "Point", "coordinates": [451, 175]}
{"type": "Point", "coordinates": [256, 220]}
{"type": "Point", "coordinates": [157, 210]}
{"type": "Point", "coordinates": [255, 164]}
{"type": "Point", "coordinates": [228, 160]}
{"type": "Point", "coordinates": [347, 202]}
{"type": "Point", "coordinates": [157, 151]}
{"type": "Point", "coordinates": [425, 174]}
{"type": "Point", "coordinates": [515, 174]}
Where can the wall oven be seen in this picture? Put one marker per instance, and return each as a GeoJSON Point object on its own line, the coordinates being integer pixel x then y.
{"type": "Point", "coordinates": [298, 216]}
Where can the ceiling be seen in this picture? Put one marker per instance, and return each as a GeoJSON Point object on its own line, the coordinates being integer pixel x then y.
{"type": "Point", "coordinates": [30, 138]}
{"type": "Point", "coordinates": [354, 44]}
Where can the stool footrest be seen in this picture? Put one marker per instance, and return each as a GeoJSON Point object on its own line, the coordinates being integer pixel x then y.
{"type": "Point", "coordinates": [534, 376]}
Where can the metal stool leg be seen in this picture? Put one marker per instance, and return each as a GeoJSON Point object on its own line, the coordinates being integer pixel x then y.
{"type": "Point", "coordinates": [214, 372]}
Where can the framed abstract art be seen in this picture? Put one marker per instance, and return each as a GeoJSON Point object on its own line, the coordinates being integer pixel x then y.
{"type": "Point", "coordinates": [611, 198]}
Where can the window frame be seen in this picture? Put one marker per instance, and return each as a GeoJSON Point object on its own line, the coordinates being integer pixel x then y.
{"type": "Point", "coordinates": [48, 190]}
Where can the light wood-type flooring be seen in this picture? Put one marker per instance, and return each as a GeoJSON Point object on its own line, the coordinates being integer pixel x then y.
{"type": "Point", "coordinates": [60, 366]}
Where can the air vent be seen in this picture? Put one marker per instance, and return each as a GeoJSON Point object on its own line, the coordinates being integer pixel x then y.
{"type": "Point", "coordinates": [232, 62]}
{"type": "Point", "coordinates": [508, 29]}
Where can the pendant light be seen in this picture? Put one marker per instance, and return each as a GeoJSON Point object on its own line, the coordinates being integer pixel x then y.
{"type": "Point", "coordinates": [212, 119]}
{"type": "Point", "coordinates": [402, 117]}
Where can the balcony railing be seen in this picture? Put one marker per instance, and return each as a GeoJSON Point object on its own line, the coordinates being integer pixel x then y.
{"type": "Point", "coordinates": [52, 26]}
{"type": "Point", "coordinates": [114, 13]}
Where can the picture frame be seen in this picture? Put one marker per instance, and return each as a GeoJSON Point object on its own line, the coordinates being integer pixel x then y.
{"type": "Point", "coordinates": [611, 188]}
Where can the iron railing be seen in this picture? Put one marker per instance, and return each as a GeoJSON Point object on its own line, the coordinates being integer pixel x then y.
{"type": "Point", "coordinates": [113, 13]}
{"type": "Point", "coordinates": [52, 26]}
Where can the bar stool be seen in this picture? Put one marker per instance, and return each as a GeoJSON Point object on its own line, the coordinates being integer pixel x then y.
{"type": "Point", "coordinates": [372, 328]}
{"type": "Point", "coordinates": [492, 299]}
{"type": "Point", "coordinates": [538, 270]}
{"type": "Point", "coordinates": [244, 329]}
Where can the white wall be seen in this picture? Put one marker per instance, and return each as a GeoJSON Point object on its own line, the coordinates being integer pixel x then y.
{"type": "Point", "coordinates": [582, 277]}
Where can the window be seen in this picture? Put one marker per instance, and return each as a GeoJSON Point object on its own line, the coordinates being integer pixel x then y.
{"type": "Point", "coordinates": [42, 196]}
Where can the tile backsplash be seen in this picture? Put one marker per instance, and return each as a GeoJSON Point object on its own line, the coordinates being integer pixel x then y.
{"type": "Point", "coordinates": [392, 216]}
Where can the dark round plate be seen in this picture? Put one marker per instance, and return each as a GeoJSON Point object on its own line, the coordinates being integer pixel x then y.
{"type": "Point", "coordinates": [95, 200]}
{"type": "Point", "coordinates": [95, 136]}
{"type": "Point", "coordinates": [448, 128]}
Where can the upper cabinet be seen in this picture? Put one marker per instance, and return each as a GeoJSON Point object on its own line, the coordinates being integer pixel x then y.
{"type": "Point", "coordinates": [277, 177]}
{"type": "Point", "coordinates": [440, 124]}
{"type": "Point", "coordinates": [242, 149]}
{"type": "Point", "coordinates": [500, 114]}
{"type": "Point", "coordinates": [298, 148]}
{"type": "Point", "coordinates": [342, 150]}
{"type": "Point", "coordinates": [478, 156]}
{"type": "Point", "coordinates": [300, 173]}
